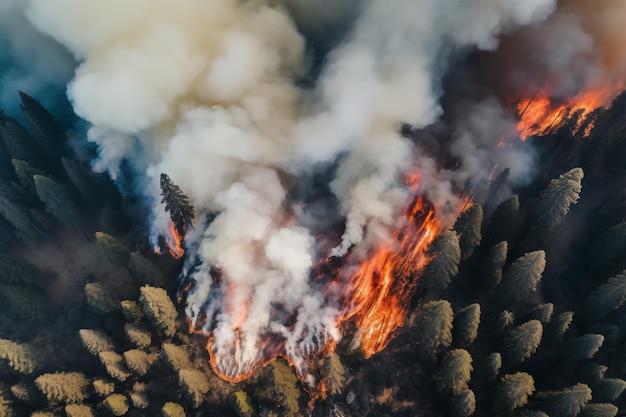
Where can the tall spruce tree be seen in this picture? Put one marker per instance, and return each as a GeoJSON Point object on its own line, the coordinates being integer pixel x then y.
{"type": "Point", "coordinates": [177, 204]}
{"type": "Point", "coordinates": [58, 199]}
{"type": "Point", "coordinates": [567, 402]}
{"type": "Point", "coordinates": [521, 278]}
{"type": "Point", "coordinates": [41, 123]}
{"type": "Point", "coordinates": [522, 341]}
{"type": "Point", "coordinates": [446, 255]}
{"type": "Point", "coordinates": [434, 328]}
{"type": "Point", "coordinates": [608, 296]}
{"type": "Point", "coordinates": [454, 371]}
{"type": "Point", "coordinates": [513, 391]}
{"type": "Point", "coordinates": [468, 226]}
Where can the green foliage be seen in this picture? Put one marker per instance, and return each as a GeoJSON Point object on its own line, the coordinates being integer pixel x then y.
{"type": "Point", "coordinates": [159, 309]}
{"type": "Point", "coordinates": [138, 361]}
{"type": "Point", "coordinates": [522, 277]}
{"type": "Point", "coordinates": [608, 296]}
{"type": "Point", "coordinates": [494, 263]}
{"type": "Point", "coordinates": [6, 409]}
{"type": "Point", "coordinates": [12, 209]}
{"type": "Point", "coordinates": [445, 255]}
{"type": "Point", "coordinates": [240, 403]}
{"type": "Point", "coordinates": [102, 297]}
{"type": "Point", "coordinates": [555, 201]}
{"type": "Point", "coordinates": [117, 404]}
{"type": "Point", "coordinates": [96, 341]}
{"type": "Point", "coordinates": [454, 371]}
{"type": "Point", "coordinates": [608, 389]}
{"type": "Point", "coordinates": [138, 334]}
{"type": "Point", "coordinates": [176, 204]}
{"type": "Point", "coordinates": [18, 271]}
{"type": "Point", "coordinates": [70, 387]}
{"type": "Point", "coordinates": [434, 328]}
{"type": "Point", "coordinates": [467, 227]}
{"type": "Point", "coordinates": [172, 410]}
{"type": "Point", "coordinates": [466, 322]}
{"type": "Point", "coordinates": [499, 186]}
{"type": "Point", "coordinates": [25, 302]}
{"type": "Point", "coordinates": [279, 388]}
{"type": "Point", "coordinates": [116, 252]}
{"type": "Point", "coordinates": [58, 199]}
{"type": "Point", "coordinates": [493, 364]}
{"type": "Point", "coordinates": [584, 347]}
{"type": "Point", "coordinates": [176, 357]}
{"type": "Point", "coordinates": [513, 391]}
{"type": "Point", "coordinates": [78, 410]}
{"type": "Point", "coordinates": [131, 310]}
{"type": "Point", "coordinates": [599, 410]}
{"type": "Point", "coordinates": [560, 325]}
{"type": "Point", "coordinates": [591, 372]}
{"type": "Point", "coordinates": [333, 373]}
{"type": "Point", "coordinates": [81, 180]}
{"type": "Point", "coordinates": [21, 357]}
{"type": "Point", "coordinates": [194, 384]}
{"type": "Point", "coordinates": [25, 173]}
{"type": "Point", "coordinates": [462, 404]}
{"type": "Point", "coordinates": [567, 402]}
{"type": "Point", "coordinates": [543, 313]}
{"type": "Point", "coordinates": [114, 364]}
{"type": "Point", "coordinates": [18, 144]}
{"type": "Point", "coordinates": [522, 341]}
{"type": "Point", "coordinates": [146, 271]}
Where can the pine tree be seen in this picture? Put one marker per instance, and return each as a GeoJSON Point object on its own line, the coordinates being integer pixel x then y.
{"type": "Point", "coordinates": [559, 326]}
{"type": "Point", "coordinates": [103, 388]}
{"type": "Point", "coordinates": [280, 388]}
{"type": "Point", "coordinates": [194, 384]}
{"type": "Point", "coordinates": [591, 372]}
{"type": "Point", "coordinates": [543, 313]}
{"type": "Point", "coordinates": [18, 144]}
{"type": "Point", "coordinates": [131, 310]}
{"type": "Point", "coordinates": [146, 271]}
{"type": "Point", "coordinates": [25, 173]}
{"type": "Point", "coordinates": [454, 372]}
{"type": "Point", "coordinates": [12, 209]}
{"type": "Point", "coordinates": [446, 255]}
{"type": "Point", "coordinates": [25, 302]}
{"type": "Point", "coordinates": [114, 364]}
{"type": "Point", "coordinates": [513, 391]}
{"type": "Point", "coordinates": [466, 322]}
{"type": "Point", "coordinates": [240, 403]}
{"type": "Point", "coordinates": [159, 309]}
{"type": "Point", "coordinates": [96, 341]}
{"type": "Point", "coordinates": [555, 201]}
{"type": "Point", "coordinates": [78, 410]}
{"type": "Point", "coordinates": [171, 409]}
{"type": "Point", "coordinates": [58, 199]}
{"type": "Point", "coordinates": [608, 296]}
{"type": "Point", "coordinates": [24, 392]}
{"type": "Point", "coordinates": [6, 409]}
{"type": "Point", "coordinates": [177, 204]}
{"type": "Point", "coordinates": [138, 361]}
{"type": "Point", "coordinates": [467, 227]}
{"type": "Point", "coordinates": [82, 181]}
{"type": "Point", "coordinates": [102, 297]}
{"type": "Point", "coordinates": [608, 389]}
{"type": "Point", "coordinates": [21, 357]}
{"type": "Point", "coordinates": [584, 347]}
{"type": "Point", "coordinates": [116, 252]}
{"type": "Point", "coordinates": [138, 334]}
{"type": "Point", "coordinates": [434, 328]}
{"type": "Point", "coordinates": [139, 399]}
{"type": "Point", "coordinates": [498, 188]}
{"type": "Point", "coordinates": [567, 402]}
{"type": "Point", "coordinates": [117, 404]}
{"type": "Point", "coordinates": [333, 373]}
{"type": "Point", "coordinates": [70, 387]}
{"type": "Point", "coordinates": [176, 356]}
{"type": "Point", "coordinates": [506, 319]}
{"type": "Point", "coordinates": [494, 262]}
{"type": "Point", "coordinates": [522, 341]}
{"type": "Point", "coordinates": [503, 223]}
{"type": "Point", "coordinates": [462, 404]}
{"type": "Point", "coordinates": [599, 410]}
{"type": "Point", "coordinates": [493, 364]}
{"type": "Point", "coordinates": [522, 277]}
{"type": "Point", "coordinates": [45, 129]}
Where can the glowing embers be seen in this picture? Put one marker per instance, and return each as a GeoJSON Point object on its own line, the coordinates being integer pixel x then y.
{"type": "Point", "coordinates": [174, 242]}
{"type": "Point", "coordinates": [541, 115]}
{"type": "Point", "coordinates": [383, 284]}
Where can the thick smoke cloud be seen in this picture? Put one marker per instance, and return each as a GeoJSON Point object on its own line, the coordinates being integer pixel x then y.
{"type": "Point", "coordinates": [207, 92]}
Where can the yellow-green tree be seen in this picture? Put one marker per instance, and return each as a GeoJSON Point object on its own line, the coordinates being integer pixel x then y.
{"type": "Point", "coordinates": [159, 309]}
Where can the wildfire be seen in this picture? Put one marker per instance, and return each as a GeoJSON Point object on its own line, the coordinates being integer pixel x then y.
{"type": "Point", "coordinates": [541, 115]}
{"type": "Point", "coordinates": [174, 242]}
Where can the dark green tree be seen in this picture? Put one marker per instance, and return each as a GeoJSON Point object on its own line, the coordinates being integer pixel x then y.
{"type": "Point", "coordinates": [14, 211]}
{"type": "Point", "coordinates": [445, 256]}
{"type": "Point", "coordinates": [96, 341]}
{"type": "Point", "coordinates": [146, 271]}
{"type": "Point", "coordinates": [494, 262]}
{"type": "Point", "coordinates": [543, 313]}
{"type": "Point", "coordinates": [176, 357]}
{"type": "Point", "coordinates": [498, 188]}
{"type": "Point", "coordinates": [493, 364]}
{"type": "Point", "coordinates": [102, 297]}
{"type": "Point", "coordinates": [558, 326]}
{"type": "Point", "coordinates": [513, 391]}
{"type": "Point", "coordinates": [177, 204]}
{"type": "Point", "coordinates": [194, 384]}
{"type": "Point", "coordinates": [433, 328]}
{"type": "Point", "coordinates": [41, 123]}
{"type": "Point", "coordinates": [521, 278]}
{"type": "Point", "coordinates": [567, 402]}
{"type": "Point", "coordinates": [82, 180]}
{"type": "Point", "coordinates": [18, 144]}
{"type": "Point", "coordinates": [608, 389]}
{"type": "Point", "coordinates": [58, 199]}
{"type": "Point", "coordinates": [138, 334]}
{"type": "Point", "coordinates": [584, 347]}
{"type": "Point", "coordinates": [116, 252]}
{"type": "Point", "coordinates": [159, 309]}
{"type": "Point", "coordinates": [506, 320]}
{"type": "Point", "coordinates": [599, 410]}
{"type": "Point", "coordinates": [608, 296]}
{"type": "Point", "coordinates": [333, 373]}
{"type": "Point", "coordinates": [522, 341]}
{"type": "Point", "coordinates": [462, 404]}
{"type": "Point", "coordinates": [454, 371]}
{"type": "Point", "coordinates": [65, 387]}
{"type": "Point", "coordinates": [280, 388]}
{"type": "Point", "coordinates": [466, 322]}
{"type": "Point", "coordinates": [25, 173]}
{"type": "Point", "coordinates": [467, 227]}
{"type": "Point", "coordinates": [503, 223]}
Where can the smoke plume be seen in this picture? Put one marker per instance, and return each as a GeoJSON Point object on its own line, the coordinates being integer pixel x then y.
{"type": "Point", "coordinates": [226, 98]}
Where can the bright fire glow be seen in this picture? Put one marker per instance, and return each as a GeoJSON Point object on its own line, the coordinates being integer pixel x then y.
{"type": "Point", "coordinates": [541, 115]}
{"type": "Point", "coordinates": [174, 242]}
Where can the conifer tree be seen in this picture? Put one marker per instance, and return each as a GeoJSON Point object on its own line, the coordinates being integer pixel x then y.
{"type": "Point", "coordinates": [65, 387]}
{"type": "Point", "coordinates": [138, 334]}
{"type": "Point", "coordinates": [559, 326]}
{"type": "Point", "coordinates": [159, 309]}
{"type": "Point", "coordinates": [333, 373]}
{"type": "Point", "coordinates": [522, 277]}
{"type": "Point", "coordinates": [280, 388]}
{"type": "Point", "coordinates": [591, 372]}
{"type": "Point", "coordinates": [434, 328]}
{"type": "Point", "coordinates": [176, 356]}
{"type": "Point", "coordinates": [114, 364]}
{"type": "Point", "coordinates": [493, 364]}
{"type": "Point", "coordinates": [608, 296]}
{"type": "Point", "coordinates": [131, 310]}
{"type": "Point", "coordinates": [138, 361]}
{"type": "Point", "coordinates": [467, 227]}
{"type": "Point", "coordinates": [584, 347]}
{"type": "Point", "coordinates": [466, 322]}
{"type": "Point", "coordinates": [567, 402]}
{"type": "Point", "coordinates": [139, 399]}
{"type": "Point", "coordinates": [78, 410]}
{"type": "Point", "coordinates": [24, 392]}
{"type": "Point", "coordinates": [599, 410]}
{"type": "Point", "coordinates": [25, 173]}
{"type": "Point", "coordinates": [21, 357]}
{"type": "Point", "coordinates": [498, 187]}
{"type": "Point", "coordinates": [543, 313]}
{"type": "Point", "coordinates": [506, 319]}
{"type": "Point", "coordinates": [102, 387]}
{"type": "Point", "coordinates": [171, 409]}
{"type": "Point", "coordinates": [58, 200]}
{"type": "Point", "coordinates": [117, 404]}
{"type": "Point", "coordinates": [6, 409]}
{"type": "Point", "coordinates": [555, 201]}
{"type": "Point", "coordinates": [81, 180]}
{"type": "Point", "coordinates": [45, 129]}
{"type": "Point", "coordinates": [454, 372]}
{"type": "Point", "coordinates": [523, 340]}
{"type": "Point", "coordinates": [102, 297]}
{"type": "Point", "coordinates": [462, 404]}
{"type": "Point", "coordinates": [96, 341]}
{"type": "Point", "coordinates": [12, 209]}
{"type": "Point", "coordinates": [146, 271]}
{"type": "Point", "coordinates": [240, 403]}
{"type": "Point", "coordinates": [18, 144]}
{"type": "Point", "coordinates": [194, 384]}
{"type": "Point", "coordinates": [494, 262]}
{"type": "Point", "coordinates": [608, 389]}
{"type": "Point", "coordinates": [446, 255]}
{"type": "Point", "coordinates": [116, 252]}
{"type": "Point", "coordinates": [177, 204]}
{"type": "Point", "coordinates": [502, 225]}
{"type": "Point", "coordinates": [513, 391]}
{"type": "Point", "coordinates": [25, 302]}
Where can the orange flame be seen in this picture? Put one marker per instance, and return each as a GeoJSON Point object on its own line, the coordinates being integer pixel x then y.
{"type": "Point", "coordinates": [540, 115]}
{"type": "Point", "coordinates": [174, 242]}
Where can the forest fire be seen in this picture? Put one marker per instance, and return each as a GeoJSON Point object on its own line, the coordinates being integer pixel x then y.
{"type": "Point", "coordinates": [540, 115]}
{"type": "Point", "coordinates": [174, 242]}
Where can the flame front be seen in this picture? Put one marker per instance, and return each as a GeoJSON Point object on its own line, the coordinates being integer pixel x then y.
{"type": "Point", "coordinates": [174, 242]}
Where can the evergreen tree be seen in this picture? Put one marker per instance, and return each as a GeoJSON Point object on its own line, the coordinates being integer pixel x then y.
{"type": "Point", "coordinates": [466, 322]}
{"type": "Point", "coordinates": [522, 341]}
{"type": "Point", "coordinates": [114, 364]}
{"type": "Point", "coordinates": [24, 392]}
{"type": "Point", "coordinates": [138, 334]}
{"type": "Point", "coordinates": [176, 356]}
{"type": "Point", "coordinates": [138, 361]}
{"type": "Point", "coordinates": [146, 271]}
{"type": "Point", "coordinates": [177, 204]}
{"type": "Point", "coordinates": [6, 409]}
{"type": "Point", "coordinates": [559, 326]}
{"type": "Point", "coordinates": [493, 364]}
{"type": "Point", "coordinates": [608, 389]}
{"type": "Point", "coordinates": [78, 410]}
{"type": "Point", "coordinates": [194, 384]}
{"type": "Point", "coordinates": [159, 308]}
{"type": "Point", "coordinates": [467, 227]}
{"type": "Point", "coordinates": [498, 187]}
{"type": "Point", "coordinates": [434, 328]}
{"type": "Point", "coordinates": [591, 372]}
{"type": "Point", "coordinates": [58, 199]}
{"type": "Point", "coordinates": [18, 144]}
{"type": "Point", "coordinates": [445, 255]}
{"type": "Point", "coordinates": [494, 262]}
{"type": "Point", "coordinates": [522, 277]}
{"type": "Point", "coordinates": [240, 403]}
{"type": "Point", "coordinates": [513, 391]}
{"type": "Point", "coordinates": [280, 388]}
{"type": "Point", "coordinates": [102, 297]}
{"type": "Point", "coordinates": [608, 296]}
{"type": "Point", "coordinates": [454, 372]}
{"type": "Point", "coordinates": [333, 373]}
{"type": "Point", "coordinates": [139, 399]}
{"type": "Point", "coordinates": [25, 173]}
{"type": "Point", "coordinates": [171, 409]}
{"type": "Point", "coordinates": [21, 357]}
{"type": "Point", "coordinates": [65, 387]}
{"type": "Point", "coordinates": [12, 209]}
{"type": "Point", "coordinates": [502, 225]}
{"type": "Point", "coordinates": [103, 388]}
{"type": "Point", "coordinates": [131, 310]}
{"type": "Point", "coordinates": [567, 402]}
{"type": "Point", "coordinates": [25, 302]}
{"type": "Point", "coordinates": [555, 201]}
{"type": "Point", "coordinates": [599, 410]}
{"type": "Point", "coordinates": [117, 404]}
{"type": "Point", "coordinates": [45, 129]}
{"type": "Point", "coordinates": [96, 341]}
{"type": "Point", "coordinates": [543, 313]}
{"type": "Point", "coordinates": [462, 404]}
{"type": "Point", "coordinates": [116, 252]}
{"type": "Point", "coordinates": [81, 180]}
{"type": "Point", "coordinates": [584, 347]}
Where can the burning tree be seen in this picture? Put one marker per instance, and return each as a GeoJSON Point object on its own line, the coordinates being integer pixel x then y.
{"type": "Point", "coordinates": [177, 204]}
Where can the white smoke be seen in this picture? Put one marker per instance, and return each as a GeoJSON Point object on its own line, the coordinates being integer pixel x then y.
{"type": "Point", "coordinates": [206, 92]}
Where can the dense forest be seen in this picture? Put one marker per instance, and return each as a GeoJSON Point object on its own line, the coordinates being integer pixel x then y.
{"type": "Point", "coordinates": [519, 312]}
